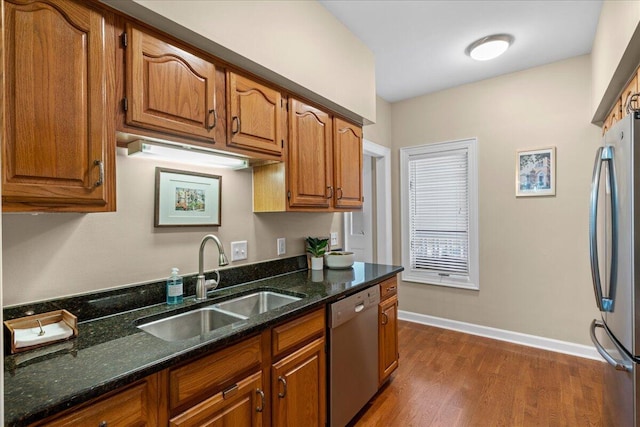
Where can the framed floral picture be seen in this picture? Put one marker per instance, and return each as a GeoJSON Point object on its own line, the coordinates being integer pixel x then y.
{"type": "Point", "coordinates": [187, 199]}
{"type": "Point", "coordinates": [536, 172]}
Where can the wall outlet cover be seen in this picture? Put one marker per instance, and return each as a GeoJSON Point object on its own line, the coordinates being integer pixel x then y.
{"type": "Point", "coordinates": [334, 238]}
{"type": "Point", "coordinates": [238, 250]}
{"type": "Point", "coordinates": [282, 245]}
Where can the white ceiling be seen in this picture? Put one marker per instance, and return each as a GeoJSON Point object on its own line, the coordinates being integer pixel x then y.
{"type": "Point", "coordinates": [419, 45]}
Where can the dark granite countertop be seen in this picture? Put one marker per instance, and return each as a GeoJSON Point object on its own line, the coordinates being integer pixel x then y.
{"type": "Point", "coordinates": [111, 351]}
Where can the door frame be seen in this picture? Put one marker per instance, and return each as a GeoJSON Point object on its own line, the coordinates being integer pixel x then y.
{"type": "Point", "coordinates": [381, 159]}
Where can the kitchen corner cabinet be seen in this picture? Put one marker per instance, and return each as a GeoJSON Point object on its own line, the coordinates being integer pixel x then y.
{"type": "Point", "coordinates": [347, 149]}
{"type": "Point", "coordinates": [59, 130]}
{"type": "Point", "coordinates": [255, 118]}
{"type": "Point", "coordinates": [387, 330]}
{"type": "Point", "coordinates": [167, 88]}
{"type": "Point", "coordinates": [135, 405]}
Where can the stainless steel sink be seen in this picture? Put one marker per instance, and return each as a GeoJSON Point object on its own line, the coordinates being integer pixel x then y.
{"type": "Point", "coordinates": [256, 303]}
{"type": "Point", "coordinates": [190, 324]}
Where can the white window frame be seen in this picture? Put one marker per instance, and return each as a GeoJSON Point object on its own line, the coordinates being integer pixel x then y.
{"type": "Point", "coordinates": [472, 281]}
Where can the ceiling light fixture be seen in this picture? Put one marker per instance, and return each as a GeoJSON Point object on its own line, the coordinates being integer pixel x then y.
{"type": "Point", "coordinates": [489, 47]}
{"type": "Point", "coordinates": [182, 153]}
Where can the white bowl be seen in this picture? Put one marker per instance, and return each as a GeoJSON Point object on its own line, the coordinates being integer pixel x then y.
{"type": "Point", "coordinates": [338, 259]}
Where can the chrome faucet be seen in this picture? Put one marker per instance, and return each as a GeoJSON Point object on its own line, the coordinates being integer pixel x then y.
{"type": "Point", "coordinates": [202, 285]}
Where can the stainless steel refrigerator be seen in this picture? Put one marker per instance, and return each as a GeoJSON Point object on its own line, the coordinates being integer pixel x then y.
{"type": "Point", "coordinates": [614, 234]}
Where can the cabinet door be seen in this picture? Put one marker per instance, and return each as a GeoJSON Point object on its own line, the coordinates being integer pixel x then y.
{"type": "Point", "coordinates": [59, 145]}
{"type": "Point", "coordinates": [298, 387]}
{"type": "Point", "coordinates": [240, 405]}
{"type": "Point", "coordinates": [169, 89]}
{"type": "Point", "coordinates": [310, 156]}
{"type": "Point", "coordinates": [347, 149]}
{"type": "Point", "coordinates": [255, 116]}
{"type": "Point", "coordinates": [388, 337]}
{"type": "Point", "coordinates": [135, 406]}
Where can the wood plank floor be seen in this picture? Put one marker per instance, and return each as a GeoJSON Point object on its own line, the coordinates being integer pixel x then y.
{"type": "Point", "coordinates": [447, 378]}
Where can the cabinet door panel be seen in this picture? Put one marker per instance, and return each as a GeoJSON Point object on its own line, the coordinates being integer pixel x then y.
{"type": "Point", "coordinates": [242, 406]}
{"type": "Point", "coordinates": [348, 165]}
{"type": "Point", "coordinates": [298, 387]}
{"type": "Point", "coordinates": [388, 337]}
{"type": "Point", "coordinates": [255, 116]}
{"type": "Point", "coordinates": [58, 131]}
{"type": "Point", "coordinates": [168, 88]}
{"type": "Point", "coordinates": [310, 151]}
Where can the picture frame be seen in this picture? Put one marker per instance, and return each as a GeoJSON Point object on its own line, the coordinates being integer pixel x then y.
{"type": "Point", "coordinates": [187, 199]}
{"type": "Point", "coordinates": [536, 172]}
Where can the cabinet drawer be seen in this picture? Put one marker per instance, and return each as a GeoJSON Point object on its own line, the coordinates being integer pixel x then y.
{"type": "Point", "coordinates": [296, 332]}
{"type": "Point", "coordinates": [388, 288]}
{"type": "Point", "coordinates": [203, 377]}
{"type": "Point", "coordinates": [135, 405]}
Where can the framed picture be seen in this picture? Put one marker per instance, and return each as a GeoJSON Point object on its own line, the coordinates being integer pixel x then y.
{"type": "Point", "coordinates": [536, 172]}
{"type": "Point", "coordinates": [187, 199]}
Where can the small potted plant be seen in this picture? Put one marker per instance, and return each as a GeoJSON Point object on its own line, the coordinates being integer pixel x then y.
{"type": "Point", "coordinates": [317, 247]}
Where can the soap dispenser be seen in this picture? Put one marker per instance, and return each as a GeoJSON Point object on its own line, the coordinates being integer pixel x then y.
{"type": "Point", "coordinates": [174, 287]}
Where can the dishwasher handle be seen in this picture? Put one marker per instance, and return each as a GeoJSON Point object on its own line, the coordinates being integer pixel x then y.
{"type": "Point", "coordinates": [359, 307]}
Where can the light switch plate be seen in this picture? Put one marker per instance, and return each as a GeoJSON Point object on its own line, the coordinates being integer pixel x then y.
{"type": "Point", "coordinates": [238, 250]}
{"type": "Point", "coordinates": [334, 238]}
{"type": "Point", "coordinates": [282, 245]}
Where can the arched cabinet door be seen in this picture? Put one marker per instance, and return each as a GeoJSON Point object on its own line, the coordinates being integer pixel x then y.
{"type": "Point", "coordinates": [309, 156]}
{"type": "Point", "coordinates": [59, 140]}
{"type": "Point", "coordinates": [168, 88]}
{"type": "Point", "coordinates": [254, 121]}
{"type": "Point", "coordinates": [347, 155]}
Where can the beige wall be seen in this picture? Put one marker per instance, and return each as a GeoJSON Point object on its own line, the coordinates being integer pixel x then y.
{"type": "Point", "coordinates": [534, 266]}
{"type": "Point", "coordinates": [617, 23]}
{"type": "Point", "coordinates": [299, 40]}
{"type": "Point", "coordinates": [380, 132]}
{"type": "Point", "coordinates": [53, 255]}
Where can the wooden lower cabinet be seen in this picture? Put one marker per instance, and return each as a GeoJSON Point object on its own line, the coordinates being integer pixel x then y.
{"type": "Point", "coordinates": [298, 387]}
{"type": "Point", "coordinates": [137, 405]}
{"type": "Point", "coordinates": [240, 405]}
{"type": "Point", "coordinates": [387, 337]}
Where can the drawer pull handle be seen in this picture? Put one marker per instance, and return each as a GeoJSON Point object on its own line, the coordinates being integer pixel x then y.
{"type": "Point", "coordinates": [385, 318]}
{"type": "Point", "coordinates": [391, 288]}
{"type": "Point", "coordinates": [231, 391]}
{"type": "Point", "coordinates": [261, 394]}
{"type": "Point", "coordinates": [282, 394]}
{"type": "Point", "coordinates": [330, 196]}
{"type": "Point", "coordinates": [340, 190]}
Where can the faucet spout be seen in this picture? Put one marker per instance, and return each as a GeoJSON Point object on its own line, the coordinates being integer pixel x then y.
{"type": "Point", "coordinates": [203, 285]}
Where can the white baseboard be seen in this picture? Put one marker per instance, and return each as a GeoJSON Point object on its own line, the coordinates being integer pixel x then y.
{"type": "Point", "coordinates": [550, 344]}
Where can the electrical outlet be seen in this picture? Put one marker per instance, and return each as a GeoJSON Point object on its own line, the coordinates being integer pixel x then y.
{"type": "Point", "coordinates": [282, 246]}
{"type": "Point", "coordinates": [238, 250]}
{"type": "Point", "coordinates": [334, 238]}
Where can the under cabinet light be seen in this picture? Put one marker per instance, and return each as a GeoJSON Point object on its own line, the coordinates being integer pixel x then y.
{"type": "Point", "coordinates": [182, 153]}
{"type": "Point", "coordinates": [489, 47]}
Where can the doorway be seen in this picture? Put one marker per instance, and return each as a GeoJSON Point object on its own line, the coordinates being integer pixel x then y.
{"type": "Point", "coordinates": [367, 233]}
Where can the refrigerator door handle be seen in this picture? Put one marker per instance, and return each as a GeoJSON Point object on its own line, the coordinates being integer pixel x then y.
{"type": "Point", "coordinates": [620, 365]}
{"type": "Point", "coordinates": [604, 154]}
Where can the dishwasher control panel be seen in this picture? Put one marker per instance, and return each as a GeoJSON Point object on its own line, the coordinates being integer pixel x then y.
{"type": "Point", "coordinates": [349, 307]}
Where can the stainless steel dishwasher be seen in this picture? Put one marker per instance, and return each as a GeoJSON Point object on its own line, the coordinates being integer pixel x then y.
{"type": "Point", "coordinates": [353, 354]}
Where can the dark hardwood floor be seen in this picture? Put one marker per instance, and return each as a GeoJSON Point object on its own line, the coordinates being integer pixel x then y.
{"type": "Point", "coordinates": [447, 379]}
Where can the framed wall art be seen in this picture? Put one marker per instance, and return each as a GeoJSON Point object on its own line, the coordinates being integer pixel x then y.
{"type": "Point", "coordinates": [187, 199]}
{"type": "Point", "coordinates": [536, 172]}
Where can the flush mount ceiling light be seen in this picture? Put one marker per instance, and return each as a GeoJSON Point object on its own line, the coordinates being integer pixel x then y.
{"type": "Point", "coordinates": [489, 47]}
{"type": "Point", "coordinates": [181, 153]}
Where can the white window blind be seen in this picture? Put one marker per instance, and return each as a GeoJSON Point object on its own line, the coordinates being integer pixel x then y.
{"type": "Point", "coordinates": [440, 214]}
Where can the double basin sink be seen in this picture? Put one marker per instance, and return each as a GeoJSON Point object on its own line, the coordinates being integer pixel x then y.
{"type": "Point", "coordinates": [205, 319]}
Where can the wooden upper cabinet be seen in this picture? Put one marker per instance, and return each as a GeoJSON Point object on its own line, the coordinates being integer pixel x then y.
{"type": "Point", "coordinates": [168, 88]}
{"type": "Point", "coordinates": [254, 119]}
{"type": "Point", "coordinates": [310, 168]}
{"type": "Point", "coordinates": [347, 148]}
{"type": "Point", "coordinates": [59, 133]}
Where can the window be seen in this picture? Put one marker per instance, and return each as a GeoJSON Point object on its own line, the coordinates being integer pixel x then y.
{"type": "Point", "coordinates": [440, 214]}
